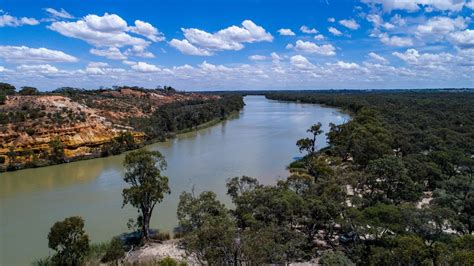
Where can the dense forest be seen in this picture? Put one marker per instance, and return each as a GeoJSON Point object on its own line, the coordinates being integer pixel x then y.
{"type": "Point", "coordinates": [395, 187]}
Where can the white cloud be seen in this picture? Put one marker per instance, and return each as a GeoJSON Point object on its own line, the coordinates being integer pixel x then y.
{"type": "Point", "coordinates": [345, 65]}
{"type": "Point", "coordinates": [463, 39]}
{"type": "Point", "coordinates": [286, 32]}
{"type": "Point", "coordinates": [332, 20]}
{"type": "Point", "coordinates": [395, 40]}
{"type": "Point", "coordinates": [139, 51]}
{"type": "Point", "coordinates": [145, 67]}
{"type": "Point", "coordinates": [110, 53]}
{"type": "Point", "coordinates": [437, 28]}
{"type": "Point", "coordinates": [349, 23]}
{"type": "Point", "coordinates": [275, 57]}
{"type": "Point", "coordinates": [307, 30]}
{"type": "Point", "coordinates": [334, 31]}
{"type": "Point", "coordinates": [27, 54]}
{"type": "Point", "coordinates": [414, 5]}
{"type": "Point", "coordinates": [10, 21]}
{"type": "Point", "coordinates": [413, 57]}
{"type": "Point", "coordinates": [42, 69]}
{"type": "Point", "coordinates": [257, 57]}
{"type": "Point", "coordinates": [59, 13]}
{"type": "Point", "coordinates": [378, 22]}
{"type": "Point", "coordinates": [231, 38]}
{"type": "Point", "coordinates": [147, 30]}
{"type": "Point", "coordinates": [319, 37]}
{"type": "Point", "coordinates": [309, 47]}
{"type": "Point", "coordinates": [378, 58]}
{"type": "Point", "coordinates": [185, 47]}
{"type": "Point", "coordinates": [108, 30]}
{"type": "Point", "coordinates": [470, 4]}
{"type": "Point", "coordinates": [302, 63]}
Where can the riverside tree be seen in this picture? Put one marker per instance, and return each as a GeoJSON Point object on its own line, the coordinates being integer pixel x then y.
{"type": "Point", "coordinates": [147, 184]}
{"type": "Point", "coordinates": [69, 240]}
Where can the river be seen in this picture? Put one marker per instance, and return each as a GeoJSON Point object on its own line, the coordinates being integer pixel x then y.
{"type": "Point", "coordinates": [258, 142]}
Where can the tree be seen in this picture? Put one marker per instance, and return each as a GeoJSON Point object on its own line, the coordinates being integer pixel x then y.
{"type": "Point", "coordinates": [7, 89]}
{"type": "Point", "coordinates": [69, 240]}
{"type": "Point", "coordinates": [309, 144]}
{"type": "Point", "coordinates": [387, 180]}
{"type": "Point", "coordinates": [114, 250]}
{"type": "Point", "coordinates": [209, 231]}
{"type": "Point", "coordinates": [28, 91]}
{"type": "Point", "coordinates": [147, 185]}
{"type": "Point", "coordinates": [57, 150]}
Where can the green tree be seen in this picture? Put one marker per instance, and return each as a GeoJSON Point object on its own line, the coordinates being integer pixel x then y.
{"type": "Point", "coordinates": [7, 89]}
{"type": "Point", "coordinates": [309, 144]}
{"type": "Point", "coordinates": [114, 251]}
{"type": "Point", "coordinates": [387, 180]}
{"type": "Point", "coordinates": [57, 150]}
{"type": "Point", "coordinates": [69, 240]}
{"type": "Point", "coordinates": [330, 258]}
{"type": "Point", "coordinates": [147, 184]}
{"type": "Point", "coordinates": [209, 231]}
{"type": "Point", "coordinates": [28, 91]}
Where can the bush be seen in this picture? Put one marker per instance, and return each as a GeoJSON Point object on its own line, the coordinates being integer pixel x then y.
{"type": "Point", "coordinates": [114, 251]}
{"type": "Point", "coordinates": [170, 262]}
{"type": "Point", "coordinates": [335, 258]}
{"type": "Point", "coordinates": [161, 236]}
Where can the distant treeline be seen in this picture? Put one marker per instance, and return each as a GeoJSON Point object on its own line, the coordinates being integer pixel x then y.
{"type": "Point", "coordinates": [179, 116]}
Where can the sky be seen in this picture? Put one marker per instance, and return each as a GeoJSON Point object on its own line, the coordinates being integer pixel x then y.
{"type": "Point", "coordinates": [238, 45]}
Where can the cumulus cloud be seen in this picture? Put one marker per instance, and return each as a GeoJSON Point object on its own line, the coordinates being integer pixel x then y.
{"type": "Point", "coordinates": [7, 20]}
{"type": "Point", "coordinates": [147, 30]}
{"type": "Point", "coordinates": [42, 69]}
{"type": "Point", "coordinates": [59, 13]}
{"type": "Point", "coordinates": [286, 32]}
{"type": "Point", "coordinates": [302, 63]}
{"type": "Point", "coordinates": [334, 31]}
{"type": "Point", "coordinates": [414, 5]}
{"type": "Point", "coordinates": [395, 40]}
{"type": "Point", "coordinates": [310, 47]}
{"type": "Point", "coordinates": [37, 55]}
{"type": "Point", "coordinates": [413, 57]}
{"type": "Point", "coordinates": [378, 58]}
{"type": "Point", "coordinates": [110, 53]}
{"type": "Point", "coordinates": [257, 57]}
{"type": "Point", "coordinates": [332, 20]}
{"type": "Point", "coordinates": [307, 30]}
{"type": "Point", "coordinates": [463, 39]}
{"type": "Point", "coordinates": [319, 37]}
{"type": "Point", "coordinates": [436, 28]}
{"type": "Point", "coordinates": [145, 67]}
{"type": "Point", "coordinates": [345, 65]}
{"type": "Point", "coordinates": [349, 23]}
{"type": "Point", "coordinates": [378, 22]}
{"type": "Point", "coordinates": [231, 38]}
{"type": "Point", "coordinates": [185, 47]}
{"type": "Point", "coordinates": [110, 30]}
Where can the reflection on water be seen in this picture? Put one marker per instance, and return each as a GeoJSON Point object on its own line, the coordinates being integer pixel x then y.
{"type": "Point", "coordinates": [260, 142]}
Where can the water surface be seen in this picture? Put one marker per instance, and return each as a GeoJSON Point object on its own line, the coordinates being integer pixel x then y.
{"type": "Point", "coordinates": [259, 142]}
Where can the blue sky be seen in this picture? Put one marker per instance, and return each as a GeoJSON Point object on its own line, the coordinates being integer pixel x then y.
{"type": "Point", "coordinates": [219, 45]}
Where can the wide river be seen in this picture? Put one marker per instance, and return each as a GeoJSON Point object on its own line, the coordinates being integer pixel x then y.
{"type": "Point", "coordinates": [259, 142]}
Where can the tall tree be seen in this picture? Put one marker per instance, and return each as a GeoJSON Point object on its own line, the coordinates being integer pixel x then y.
{"type": "Point", "coordinates": [69, 240]}
{"type": "Point", "coordinates": [147, 184]}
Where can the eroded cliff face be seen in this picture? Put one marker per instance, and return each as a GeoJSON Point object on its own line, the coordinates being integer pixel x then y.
{"type": "Point", "coordinates": [35, 121]}
{"type": "Point", "coordinates": [38, 130]}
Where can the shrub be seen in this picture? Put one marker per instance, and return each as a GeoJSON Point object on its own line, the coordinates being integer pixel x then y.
{"type": "Point", "coordinates": [114, 251]}
{"type": "Point", "coordinates": [171, 262]}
